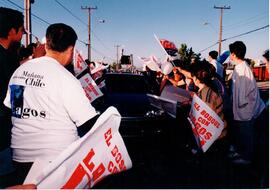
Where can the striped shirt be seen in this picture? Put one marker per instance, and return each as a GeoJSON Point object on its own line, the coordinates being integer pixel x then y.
{"type": "Point", "coordinates": [215, 102]}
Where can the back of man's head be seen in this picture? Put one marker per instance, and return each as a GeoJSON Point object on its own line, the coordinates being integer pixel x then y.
{"type": "Point", "coordinates": [213, 54]}
{"type": "Point", "coordinates": [60, 36]}
{"type": "Point", "coordinates": [239, 49]}
{"type": "Point", "coordinates": [9, 19]}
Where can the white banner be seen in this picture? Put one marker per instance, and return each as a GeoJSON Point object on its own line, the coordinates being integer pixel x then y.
{"type": "Point", "coordinates": [79, 63]}
{"type": "Point", "coordinates": [166, 68]}
{"type": "Point", "coordinates": [206, 124]}
{"type": "Point", "coordinates": [151, 62]}
{"type": "Point", "coordinates": [91, 89]}
{"type": "Point", "coordinates": [99, 67]}
{"type": "Point", "coordinates": [101, 152]}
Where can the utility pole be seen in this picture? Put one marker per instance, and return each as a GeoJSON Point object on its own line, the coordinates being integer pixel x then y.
{"type": "Point", "coordinates": [220, 26]}
{"type": "Point", "coordinates": [27, 14]}
{"type": "Point", "coordinates": [117, 53]}
{"type": "Point", "coordinates": [89, 28]}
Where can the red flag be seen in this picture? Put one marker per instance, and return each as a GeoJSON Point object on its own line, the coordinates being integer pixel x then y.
{"type": "Point", "coordinates": [169, 47]}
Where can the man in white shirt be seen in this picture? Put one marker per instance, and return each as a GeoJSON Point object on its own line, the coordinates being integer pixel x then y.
{"type": "Point", "coordinates": [212, 58]}
{"type": "Point", "coordinates": [247, 104]}
{"type": "Point", "coordinates": [47, 102]}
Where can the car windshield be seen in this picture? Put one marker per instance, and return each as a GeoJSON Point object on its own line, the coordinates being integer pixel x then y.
{"type": "Point", "coordinates": [126, 83]}
{"type": "Point", "coordinates": [127, 92]}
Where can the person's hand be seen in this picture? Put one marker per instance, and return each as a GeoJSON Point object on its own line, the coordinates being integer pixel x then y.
{"type": "Point", "coordinates": [186, 102]}
{"type": "Point", "coordinates": [39, 50]}
{"type": "Point", "coordinates": [179, 69]}
{"type": "Point", "coordinates": [164, 77]}
{"type": "Point", "coordinates": [168, 58]}
{"type": "Point", "coordinates": [192, 93]}
{"type": "Point", "coordinates": [25, 186]}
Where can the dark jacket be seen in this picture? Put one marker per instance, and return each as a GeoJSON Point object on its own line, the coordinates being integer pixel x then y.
{"type": "Point", "coordinates": [8, 64]}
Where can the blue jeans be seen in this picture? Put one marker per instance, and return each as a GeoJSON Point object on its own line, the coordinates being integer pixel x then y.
{"type": "Point", "coordinates": [6, 168]}
{"type": "Point", "coordinates": [6, 162]}
{"type": "Point", "coordinates": [243, 137]}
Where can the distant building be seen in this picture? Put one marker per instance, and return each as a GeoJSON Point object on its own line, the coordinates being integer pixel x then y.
{"type": "Point", "coordinates": [126, 62]}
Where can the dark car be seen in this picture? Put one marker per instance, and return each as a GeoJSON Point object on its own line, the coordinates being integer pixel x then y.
{"type": "Point", "coordinates": [152, 127]}
{"type": "Point", "coordinates": [144, 124]}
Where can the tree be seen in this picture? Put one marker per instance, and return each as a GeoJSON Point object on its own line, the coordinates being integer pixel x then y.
{"type": "Point", "coordinates": [187, 54]}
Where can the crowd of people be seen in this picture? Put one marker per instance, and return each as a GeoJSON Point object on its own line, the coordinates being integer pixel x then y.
{"type": "Point", "coordinates": [237, 101]}
{"type": "Point", "coordinates": [42, 104]}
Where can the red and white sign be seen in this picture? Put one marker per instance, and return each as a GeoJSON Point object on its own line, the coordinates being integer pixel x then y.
{"type": "Point", "coordinates": [91, 89]}
{"type": "Point", "coordinates": [99, 67]}
{"type": "Point", "coordinates": [79, 63]}
{"type": "Point", "coordinates": [101, 152]}
{"type": "Point", "coordinates": [206, 124]}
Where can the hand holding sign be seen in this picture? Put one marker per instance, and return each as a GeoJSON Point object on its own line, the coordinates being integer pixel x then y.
{"type": "Point", "coordinates": [85, 162]}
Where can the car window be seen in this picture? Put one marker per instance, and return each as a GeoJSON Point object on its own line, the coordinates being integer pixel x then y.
{"type": "Point", "coordinates": [126, 83]}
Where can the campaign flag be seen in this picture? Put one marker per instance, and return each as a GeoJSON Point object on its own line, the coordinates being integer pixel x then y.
{"type": "Point", "coordinates": [79, 63]}
{"type": "Point", "coordinates": [169, 47]}
{"type": "Point", "coordinates": [90, 87]}
{"type": "Point", "coordinates": [206, 124]}
{"type": "Point", "coordinates": [99, 153]}
{"type": "Point", "coordinates": [151, 62]}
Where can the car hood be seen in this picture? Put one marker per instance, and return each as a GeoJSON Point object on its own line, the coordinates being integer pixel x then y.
{"type": "Point", "coordinates": [129, 105]}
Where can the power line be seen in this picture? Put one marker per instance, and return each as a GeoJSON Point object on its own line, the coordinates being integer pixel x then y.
{"type": "Point", "coordinates": [208, 47]}
{"type": "Point", "coordinates": [16, 5]}
{"type": "Point", "coordinates": [37, 17]}
{"type": "Point", "coordinates": [102, 54]}
{"type": "Point", "coordinates": [40, 19]}
{"type": "Point", "coordinates": [70, 12]}
{"type": "Point", "coordinates": [247, 23]}
{"type": "Point", "coordinates": [242, 34]}
{"type": "Point", "coordinates": [82, 42]}
{"type": "Point", "coordinates": [246, 33]}
{"type": "Point", "coordinates": [101, 41]}
{"type": "Point", "coordinates": [248, 20]}
{"type": "Point", "coordinates": [44, 21]}
{"type": "Point", "coordinates": [95, 50]}
{"type": "Point", "coordinates": [5, 3]}
{"type": "Point", "coordinates": [82, 23]}
{"type": "Point", "coordinates": [79, 19]}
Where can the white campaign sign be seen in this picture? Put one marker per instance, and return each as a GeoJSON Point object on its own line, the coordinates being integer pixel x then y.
{"type": "Point", "coordinates": [151, 62]}
{"type": "Point", "coordinates": [88, 160]}
{"type": "Point", "coordinates": [79, 63]}
{"type": "Point", "coordinates": [206, 124]}
{"type": "Point", "coordinates": [91, 89]}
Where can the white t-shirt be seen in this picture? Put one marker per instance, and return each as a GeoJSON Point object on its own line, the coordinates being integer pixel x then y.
{"type": "Point", "coordinates": [47, 103]}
